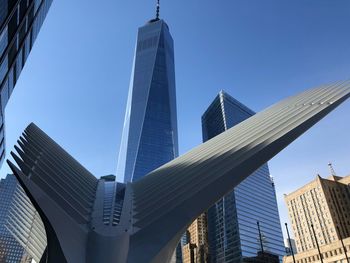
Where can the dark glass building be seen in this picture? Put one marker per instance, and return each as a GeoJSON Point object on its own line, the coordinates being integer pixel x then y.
{"type": "Point", "coordinates": [150, 128]}
{"type": "Point", "coordinates": [232, 222]}
{"type": "Point", "coordinates": [10, 249]}
{"type": "Point", "coordinates": [20, 22]}
{"type": "Point", "coordinates": [19, 221]}
{"type": "Point", "coordinates": [150, 136]}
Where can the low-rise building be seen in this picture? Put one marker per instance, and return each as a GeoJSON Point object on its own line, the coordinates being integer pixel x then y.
{"type": "Point", "coordinates": [320, 217]}
{"type": "Point", "coordinates": [324, 205]}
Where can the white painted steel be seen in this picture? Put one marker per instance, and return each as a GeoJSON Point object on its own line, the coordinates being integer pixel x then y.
{"type": "Point", "coordinates": [158, 208]}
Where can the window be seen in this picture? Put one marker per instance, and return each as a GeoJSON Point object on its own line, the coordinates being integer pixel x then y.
{"type": "Point", "coordinates": [22, 9]}
{"type": "Point", "coordinates": [12, 26]}
{"type": "Point", "coordinates": [12, 53]}
{"type": "Point", "coordinates": [30, 16]}
{"type": "Point", "coordinates": [22, 33]}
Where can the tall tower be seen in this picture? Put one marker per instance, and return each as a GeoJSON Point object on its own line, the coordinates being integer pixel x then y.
{"type": "Point", "coordinates": [232, 221]}
{"type": "Point", "coordinates": [150, 129]}
{"type": "Point", "coordinates": [20, 22]}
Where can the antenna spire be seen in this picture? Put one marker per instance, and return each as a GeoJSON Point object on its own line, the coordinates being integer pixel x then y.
{"type": "Point", "coordinates": [158, 9]}
{"type": "Point", "coordinates": [331, 169]}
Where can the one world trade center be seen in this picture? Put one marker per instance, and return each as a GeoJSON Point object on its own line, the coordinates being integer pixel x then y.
{"type": "Point", "coordinates": [150, 128]}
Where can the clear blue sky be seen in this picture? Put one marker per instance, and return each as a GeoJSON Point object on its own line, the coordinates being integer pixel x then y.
{"type": "Point", "coordinates": [75, 83]}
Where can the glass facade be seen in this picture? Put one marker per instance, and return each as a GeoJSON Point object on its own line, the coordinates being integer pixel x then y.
{"type": "Point", "coordinates": [232, 221]}
{"type": "Point", "coordinates": [150, 136]}
{"type": "Point", "coordinates": [150, 128]}
{"type": "Point", "coordinates": [22, 232]}
{"type": "Point", "coordinates": [20, 22]}
{"type": "Point", "coordinates": [10, 248]}
{"type": "Point", "coordinates": [113, 202]}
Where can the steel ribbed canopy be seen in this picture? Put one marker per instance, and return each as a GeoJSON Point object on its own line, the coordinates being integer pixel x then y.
{"type": "Point", "coordinates": [159, 207]}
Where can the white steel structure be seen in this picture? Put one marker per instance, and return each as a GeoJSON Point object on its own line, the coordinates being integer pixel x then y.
{"type": "Point", "coordinates": [90, 220]}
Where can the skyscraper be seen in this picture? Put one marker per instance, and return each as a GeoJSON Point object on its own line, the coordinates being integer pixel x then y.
{"type": "Point", "coordinates": [21, 230]}
{"type": "Point", "coordinates": [20, 22]}
{"type": "Point", "coordinates": [232, 222]}
{"type": "Point", "coordinates": [150, 129]}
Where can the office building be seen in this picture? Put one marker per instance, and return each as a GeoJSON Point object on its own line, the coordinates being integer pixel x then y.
{"type": "Point", "coordinates": [25, 224]}
{"type": "Point", "coordinates": [323, 206]}
{"type": "Point", "coordinates": [232, 222]}
{"type": "Point", "coordinates": [150, 129]}
{"type": "Point", "coordinates": [150, 137]}
{"type": "Point", "coordinates": [22, 221]}
{"type": "Point", "coordinates": [20, 22]}
{"type": "Point", "coordinates": [149, 216]}
{"type": "Point", "coordinates": [195, 249]}
{"type": "Point", "coordinates": [10, 249]}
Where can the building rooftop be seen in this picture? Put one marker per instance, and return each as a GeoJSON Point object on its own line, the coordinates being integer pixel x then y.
{"type": "Point", "coordinates": [333, 178]}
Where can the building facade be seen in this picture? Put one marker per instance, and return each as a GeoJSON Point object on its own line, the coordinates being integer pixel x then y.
{"type": "Point", "coordinates": [195, 249]}
{"type": "Point", "coordinates": [232, 222]}
{"type": "Point", "coordinates": [20, 22]}
{"type": "Point", "coordinates": [11, 250]}
{"type": "Point", "coordinates": [330, 253]}
{"type": "Point", "coordinates": [20, 225]}
{"type": "Point", "coordinates": [150, 136]}
{"type": "Point", "coordinates": [323, 204]}
{"type": "Point", "coordinates": [150, 129]}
